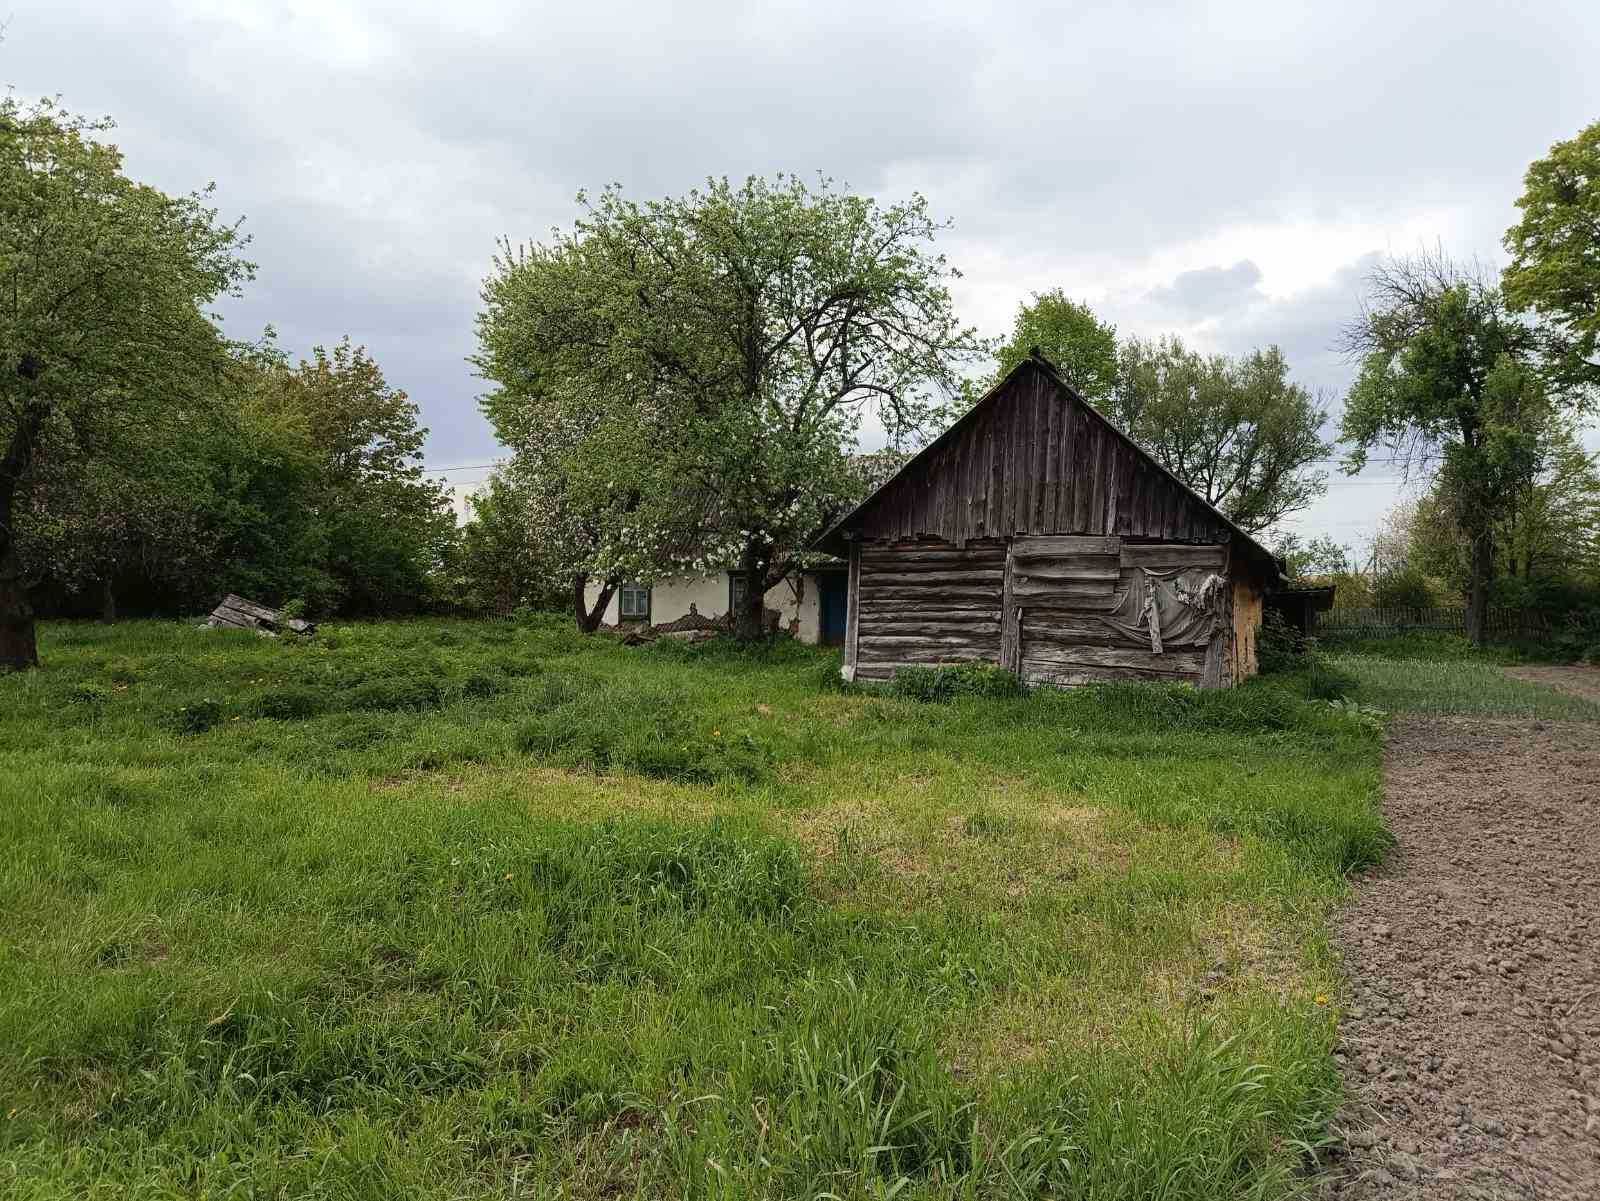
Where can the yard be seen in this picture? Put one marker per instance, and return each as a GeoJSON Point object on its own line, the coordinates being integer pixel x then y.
{"type": "Point", "coordinates": [492, 910]}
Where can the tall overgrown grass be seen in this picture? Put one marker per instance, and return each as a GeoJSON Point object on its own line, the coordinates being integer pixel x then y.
{"type": "Point", "coordinates": [443, 909]}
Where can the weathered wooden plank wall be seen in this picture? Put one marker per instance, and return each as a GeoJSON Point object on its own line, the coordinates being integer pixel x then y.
{"type": "Point", "coordinates": [928, 602]}
{"type": "Point", "coordinates": [1037, 462]}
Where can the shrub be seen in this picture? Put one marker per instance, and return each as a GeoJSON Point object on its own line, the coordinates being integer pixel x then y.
{"type": "Point", "coordinates": [1404, 588]}
{"type": "Point", "coordinates": [1279, 646]}
{"type": "Point", "coordinates": [194, 718]}
{"type": "Point", "coordinates": [292, 703]}
{"type": "Point", "coordinates": [946, 683]}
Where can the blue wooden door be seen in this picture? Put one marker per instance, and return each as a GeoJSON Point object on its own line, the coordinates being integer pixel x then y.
{"type": "Point", "coordinates": [833, 596]}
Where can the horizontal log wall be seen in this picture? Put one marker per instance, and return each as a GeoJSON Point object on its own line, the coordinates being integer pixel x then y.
{"type": "Point", "coordinates": [1067, 588]}
{"type": "Point", "coordinates": [927, 602]}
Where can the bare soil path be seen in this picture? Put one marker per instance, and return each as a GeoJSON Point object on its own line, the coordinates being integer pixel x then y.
{"type": "Point", "coordinates": [1471, 1044]}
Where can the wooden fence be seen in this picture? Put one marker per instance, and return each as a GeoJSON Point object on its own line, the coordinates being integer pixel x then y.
{"type": "Point", "coordinates": [1380, 622]}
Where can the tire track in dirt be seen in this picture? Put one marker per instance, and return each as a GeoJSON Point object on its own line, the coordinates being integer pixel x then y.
{"type": "Point", "coordinates": [1471, 1042]}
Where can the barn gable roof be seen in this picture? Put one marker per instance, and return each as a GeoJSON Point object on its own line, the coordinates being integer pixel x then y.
{"type": "Point", "coordinates": [1033, 456]}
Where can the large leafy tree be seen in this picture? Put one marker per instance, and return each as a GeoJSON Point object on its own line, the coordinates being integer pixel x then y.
{"type": "Point", "coordinates": [718, 354]}
{"type": "Point", "coordinates": [104, 284]}
{"type": "Point", "coordinates": [384, 523]}
{"type": "Point", "coordinates": [1450, 381]}
{"type": "Point", "coordinates": [1555, 255]}
{"type": "Point", "coordinates": [1239, 432]}
{"type": "Point", "coordinates": [1082, 347]}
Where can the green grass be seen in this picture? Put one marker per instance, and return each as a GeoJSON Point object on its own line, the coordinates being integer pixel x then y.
{"type": "Point", "coordinates": [1455, 685]}
{"type": "Point", "coordinates": [458, 910]}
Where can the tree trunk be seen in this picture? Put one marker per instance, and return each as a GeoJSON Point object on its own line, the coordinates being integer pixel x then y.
{"type": "Point", "coordinates": [108, 601]}
{"type": "Point", "coordinates": [748, 623]}
{"type": "Point", "coordinates": [19, 647]}
{"type": "Point", "coordinates": [1480, 577]}
{"type": "Point", "coordinates": [588, 619]}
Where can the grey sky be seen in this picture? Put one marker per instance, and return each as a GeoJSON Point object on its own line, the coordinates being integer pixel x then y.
{"type": "Point", "coordinates": [1221, 171]}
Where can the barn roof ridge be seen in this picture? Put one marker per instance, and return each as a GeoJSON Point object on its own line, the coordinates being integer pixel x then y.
{"type": "Point", "coordinates": [1038, 362]}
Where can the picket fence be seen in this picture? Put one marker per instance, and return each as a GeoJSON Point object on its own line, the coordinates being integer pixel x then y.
{"type": "Point", "coordinates": [1378, 622]}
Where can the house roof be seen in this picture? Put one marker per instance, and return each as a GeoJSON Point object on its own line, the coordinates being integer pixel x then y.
{"type": "Point", "coordinates": [835, 539]}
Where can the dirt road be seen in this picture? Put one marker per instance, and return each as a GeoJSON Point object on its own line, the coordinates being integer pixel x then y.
{"type": "Point", "coordinates": [1471, 1045]}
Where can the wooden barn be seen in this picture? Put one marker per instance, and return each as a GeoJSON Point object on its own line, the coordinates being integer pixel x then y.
{"type": "Point", "coordinates": [1035, 535]}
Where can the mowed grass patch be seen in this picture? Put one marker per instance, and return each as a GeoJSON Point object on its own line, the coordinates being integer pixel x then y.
{"type": "Point", "coordinates": [668, 922]}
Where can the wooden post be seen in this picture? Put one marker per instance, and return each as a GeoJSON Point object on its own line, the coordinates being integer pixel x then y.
{"type": "Point", "coordinates": [852, 612]}
{"type": "Point", "coordinates": [1010, 622]}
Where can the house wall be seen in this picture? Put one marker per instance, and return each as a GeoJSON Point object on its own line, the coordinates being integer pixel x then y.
{"type": "Point", "coordinates": [927, 602]}
{"type": "Point", "coordinates": [796, 601]}
{"type": "Point", "coordinates": [1058, 609]}
{"type": "Point", "coordinates": [1248, 601]}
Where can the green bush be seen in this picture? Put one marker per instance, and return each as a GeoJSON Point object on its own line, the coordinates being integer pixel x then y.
{"type": "Point", "coordinates": [291, 703]}
{"type": "Point", "coordinates": [1404, 588]}
{"type": "Point", "coordinates": [934, 684]}
{"type": "Point", "coordinates": [1279, 646]}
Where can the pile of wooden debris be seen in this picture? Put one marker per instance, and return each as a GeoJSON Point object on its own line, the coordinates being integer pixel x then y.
{"type": "Point", "coordinates": [235, 612]}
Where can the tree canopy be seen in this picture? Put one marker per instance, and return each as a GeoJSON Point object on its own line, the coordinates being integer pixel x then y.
{"type": "Point", "coordinates": [1237, 431]}
{"type": "Point", "coordinates": [1555, 255]}
{"type": "Point", "coordinates": [1449, 380]}
{"type": "Point", "coordinates": [1082, 347]}
{"type": "Point", "coordinates": [719, 354]}
{"type": "Point", "coordinates": [103, 314]}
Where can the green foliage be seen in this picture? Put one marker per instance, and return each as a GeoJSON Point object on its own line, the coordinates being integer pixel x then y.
{"type": "Point", "coordinates": [1279, 646]}
{"type": "Point", "coordinates": [287, 703]}
{"type": "Point", "coordinates": [90, 695]}
{"type": "Point", "coordinates": [1081, 346]}
{"type": "Point", "coordinates": [1554, 271]}
{"type": "Point", "coordinates": [1319, 558]}
{"type": "Point", "coordinates": [500, 561]}
{"type": "Point", "coordinates": [947, 683]}
{"type": "Point", "coordinates": [1237, 431]}
{"type": "Point", "coordinates": [1449, 374]}
{"type": "Point", "coordinates": [683, 380]}
{"type": "Point", "coordinates": [1403, 588]}
{"type": "Point", "coordinates": [104, 332]}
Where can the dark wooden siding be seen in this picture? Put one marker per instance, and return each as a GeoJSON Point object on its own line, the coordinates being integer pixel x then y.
{"type": "Point", "coordinates": [927, 601]}
{"type": "Point", "coordinates": [1035, 460]}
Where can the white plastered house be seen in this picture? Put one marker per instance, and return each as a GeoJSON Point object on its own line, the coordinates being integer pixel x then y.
{"type": "Point", "coordinates": [810, 604]}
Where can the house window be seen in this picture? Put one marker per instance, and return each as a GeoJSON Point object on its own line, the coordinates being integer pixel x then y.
{"type": "Point", "coordinates": [634, 602]}
{"type": "Point", "coordinates": [738, 589]}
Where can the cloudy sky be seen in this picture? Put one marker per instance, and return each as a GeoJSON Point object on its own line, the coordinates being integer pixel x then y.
{"type": "Point", "coordinates": [1225, 171]}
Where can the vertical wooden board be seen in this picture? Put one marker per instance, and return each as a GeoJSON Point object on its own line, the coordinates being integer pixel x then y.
{"type": "Point", "coordinates": [1082, 473]}
{"type": "Point", "coordinates": [1063, 514]}
{"type": "Point", "coordinates": [1090, 468]}
{"type": "Point", "coordinates": [1038, 436]}
{"type": "Point", "coordinates": [852, 610]}
{"type": "Point", "coordinates": [992, 525]}
{"type": "Point", "coordinates": [1052, 466]}
{"type": "Point", "coordinates": [1010, 624]}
